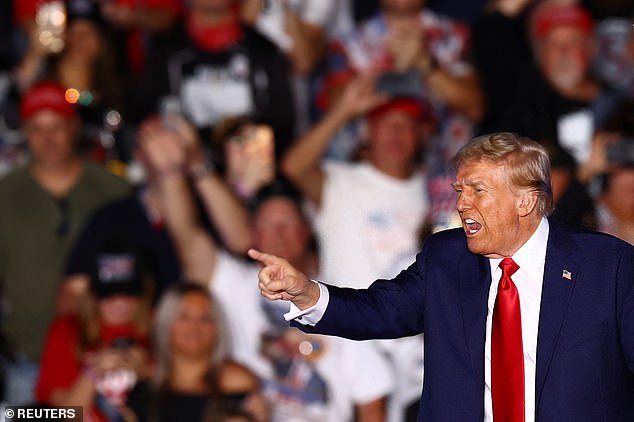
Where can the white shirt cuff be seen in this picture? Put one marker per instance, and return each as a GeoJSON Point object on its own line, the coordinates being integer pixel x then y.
{"type": "Point", "coordinates": [312, 315]}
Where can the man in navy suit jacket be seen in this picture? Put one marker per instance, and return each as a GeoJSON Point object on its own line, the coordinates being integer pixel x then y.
{"type": "Point", "coordinates": [576, 294]}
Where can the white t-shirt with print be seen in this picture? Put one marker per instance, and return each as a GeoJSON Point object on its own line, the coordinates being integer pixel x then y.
{"type": "Point", "coordinates": [367, 222]}
{"type": "Point", "coordinates": [368, 227]}
{"type": "Point", "coordinates": [352, 372]}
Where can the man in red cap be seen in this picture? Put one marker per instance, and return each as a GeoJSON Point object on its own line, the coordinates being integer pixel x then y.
{"type": "Point", "coordinates": [369, 213]}
{"type": "Point", "coordinates": [556, 97]}
{"type": "Point", "coordinates": [43, 206]}
{"type": "Point", "coordinates": [563, 45]}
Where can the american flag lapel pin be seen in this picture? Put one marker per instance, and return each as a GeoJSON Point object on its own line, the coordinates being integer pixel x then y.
{"type": "Point", "coordinates": [567, 275]}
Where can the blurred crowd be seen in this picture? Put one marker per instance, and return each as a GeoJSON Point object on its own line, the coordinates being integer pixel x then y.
{"type": "Point", "coordinates": [146, 145]}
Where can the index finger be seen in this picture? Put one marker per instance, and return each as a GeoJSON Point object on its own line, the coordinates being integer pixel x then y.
{"type": "Point", "coordinates": [265, 258]}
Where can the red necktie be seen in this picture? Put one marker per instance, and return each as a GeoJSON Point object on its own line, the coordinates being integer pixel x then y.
{"type": "Point", "coordinates": [507, 354]}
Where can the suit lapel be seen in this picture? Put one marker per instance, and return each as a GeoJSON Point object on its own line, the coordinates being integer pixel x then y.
{"type": "Point", "coordinates": [475, 279]}
{"type": "Point", "coordinates": [556, 292]}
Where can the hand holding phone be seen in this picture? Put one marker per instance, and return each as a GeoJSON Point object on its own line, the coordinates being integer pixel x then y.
{"type": "Point", "coordinates": [250, 159]}
{"type": "Point", "coordinates": [170, 107]}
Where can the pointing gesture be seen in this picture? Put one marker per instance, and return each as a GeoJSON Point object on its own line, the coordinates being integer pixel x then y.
{"type": "Point", "coordinates": [279, 280]}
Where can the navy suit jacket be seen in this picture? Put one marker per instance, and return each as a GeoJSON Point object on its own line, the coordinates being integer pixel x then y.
{"type": "Point", "coordinates": [585, 345]}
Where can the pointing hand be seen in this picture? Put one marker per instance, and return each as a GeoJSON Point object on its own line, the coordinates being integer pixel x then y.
{"type": "Point", "coordinates": [279, 280]}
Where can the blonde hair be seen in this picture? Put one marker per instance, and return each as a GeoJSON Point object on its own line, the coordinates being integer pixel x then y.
{"type": "Point", "coordinates": [526, 163]}
{"type": "Point", "coordinates": [166, 313]}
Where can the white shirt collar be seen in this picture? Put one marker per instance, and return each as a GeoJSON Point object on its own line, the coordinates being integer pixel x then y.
{"type": "Point", "coordinates": [532, 255]}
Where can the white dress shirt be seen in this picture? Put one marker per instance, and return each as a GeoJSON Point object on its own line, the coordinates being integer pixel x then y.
{"type": "Point", "coordinates": [531, 258]}
{"type": "Point", "coordinates": [528, 280]}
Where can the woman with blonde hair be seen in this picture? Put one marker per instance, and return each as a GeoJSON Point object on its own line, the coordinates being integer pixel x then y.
{"type": "Point", "coordinates": [193, 380]}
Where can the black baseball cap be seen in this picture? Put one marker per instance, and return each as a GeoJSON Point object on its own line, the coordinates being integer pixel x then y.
{"type": "Point", "coordinates": [117, 269]}
{"type": "Point", "coordinates": [278, 188]}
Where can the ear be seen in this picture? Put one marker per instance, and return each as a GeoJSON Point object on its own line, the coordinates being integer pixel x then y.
{"type": "Point", "coordinates": [526, 203]}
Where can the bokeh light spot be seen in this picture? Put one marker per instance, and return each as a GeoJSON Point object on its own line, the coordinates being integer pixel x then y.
{"type": "Point", "coordinates": [72, 95]}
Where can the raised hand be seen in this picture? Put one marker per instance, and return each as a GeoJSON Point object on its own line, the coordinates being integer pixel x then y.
{"type": "Point", "coordinates": [512, 8]}
{"type": "Point", "coordinates": [279, 280]}
{"type": "Point", "coordinates": [161, 147]}
{"type": "Point", "coordinates": [188, 137]}
{"type": "Point", "coordinates": [361, 96]}
{"type": "Point", "coordinates": [251, 162]}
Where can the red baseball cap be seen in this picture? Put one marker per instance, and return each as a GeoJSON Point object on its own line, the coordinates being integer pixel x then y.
{"type": "Point", "coordinates": [45, 96]}
{"type": "Point", "coordinates": [414, 108]}
{"type": "Point", "coordinates": [550, 16]}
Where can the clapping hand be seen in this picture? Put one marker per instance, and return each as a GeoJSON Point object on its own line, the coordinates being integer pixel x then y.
{"type": "Point", "coordinates": [407, 46]}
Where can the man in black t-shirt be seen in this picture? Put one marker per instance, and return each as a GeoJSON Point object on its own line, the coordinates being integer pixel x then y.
{"type": "Point", "coordinates": [216, 67]}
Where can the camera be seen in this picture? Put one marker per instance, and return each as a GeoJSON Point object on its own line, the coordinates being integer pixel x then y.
{"type": "Point", "coordinates": [621, 152]}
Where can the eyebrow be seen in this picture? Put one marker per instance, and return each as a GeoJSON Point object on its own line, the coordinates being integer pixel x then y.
{"type": "Point", "coordinates": [468, 183]}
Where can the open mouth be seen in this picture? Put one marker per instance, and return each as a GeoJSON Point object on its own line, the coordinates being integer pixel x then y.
{"type": "Point", "coordinates": [471, 226]}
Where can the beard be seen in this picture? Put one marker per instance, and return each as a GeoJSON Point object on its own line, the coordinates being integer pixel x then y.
{"type": "Point", "coordinates": [566, 74]}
